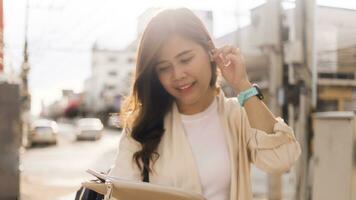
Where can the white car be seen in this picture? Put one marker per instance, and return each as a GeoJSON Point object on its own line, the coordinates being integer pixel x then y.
{"type": "Point", "coordinates": [43, 131]}
{"type": "Point", "coordinates": [114, 122]}
{"type": "Point", "coordinates": [89, 129]}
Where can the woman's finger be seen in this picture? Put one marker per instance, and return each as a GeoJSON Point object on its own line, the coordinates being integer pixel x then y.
{"type": "Point", "coordinates": [222, 50]}
{"type": "Point", "coordinates": [218, 60]}
{"type": "Point", "coordinates": [228, 49]}
{"type": "Point", "coordinates": [225, 61]}
{"type": "Point", "coordinates": [236, 58]}
{"type": "Point", "coordinates": [233, 58]}
{"type": "Point", "coordinates": [220, 55]}
{"type": "Point", "coordinates": [221, 60]}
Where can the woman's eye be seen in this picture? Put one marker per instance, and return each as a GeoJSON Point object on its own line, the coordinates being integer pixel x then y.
{"type": "Point", "coordinates": [163, 69]}
{"type": "Point", "coordinates": [187, 60]}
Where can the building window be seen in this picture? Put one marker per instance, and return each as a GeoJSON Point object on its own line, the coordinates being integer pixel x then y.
{"type": "Point", "coordinates": [109, 87]}
{"type": "Point", "coordinates": [112, 73]}
{"type": "Point", "coordinates": [130, 60]}
{"type": "Point", "coordinates": [112, 59]}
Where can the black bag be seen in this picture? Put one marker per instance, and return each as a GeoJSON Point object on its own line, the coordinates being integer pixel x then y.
{"type": "Point", "coordinates": [87, 194]}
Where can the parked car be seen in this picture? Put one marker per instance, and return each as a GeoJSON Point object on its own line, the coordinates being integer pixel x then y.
{"type": "Point", "coordinates": [114, 122]}
{"type": "Point", "coordinates": [43, 131]}
{"type": "Point", "coordinates": [89, 129]}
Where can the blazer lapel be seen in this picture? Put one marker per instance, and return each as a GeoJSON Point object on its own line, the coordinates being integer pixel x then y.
{"type": "Point", "coordinates": [229, 142]}
{"type": "Point", "coordinates": [183, 153]}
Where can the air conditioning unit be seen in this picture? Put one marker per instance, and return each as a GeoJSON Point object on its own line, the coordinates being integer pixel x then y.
{"type": "Point", "coordinates": [334, 159]}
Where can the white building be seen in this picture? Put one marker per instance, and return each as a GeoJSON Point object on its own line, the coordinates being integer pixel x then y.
{"type": "Point", "coordinates": [110, 79]}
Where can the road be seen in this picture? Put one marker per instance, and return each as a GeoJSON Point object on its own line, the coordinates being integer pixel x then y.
{"type": "Point", "coordinates": [55, 172]}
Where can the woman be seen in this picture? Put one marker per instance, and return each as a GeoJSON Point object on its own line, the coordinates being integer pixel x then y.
{"type": "Point", "coordinates": [179, 126]}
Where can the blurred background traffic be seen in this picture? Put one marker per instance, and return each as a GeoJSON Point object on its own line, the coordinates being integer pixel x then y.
{"type": "Point", "coordinates": [66, 65]}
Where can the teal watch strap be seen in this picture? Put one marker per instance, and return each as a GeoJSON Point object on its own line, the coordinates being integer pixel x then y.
{"type": "Point", "coordinates": [244, 95]}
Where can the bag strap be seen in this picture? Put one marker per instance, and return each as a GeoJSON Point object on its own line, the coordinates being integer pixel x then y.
{"type": "Point", "coordinates": [146, 176]}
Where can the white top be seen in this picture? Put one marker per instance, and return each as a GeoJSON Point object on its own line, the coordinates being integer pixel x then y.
{"type": "Point", "coordinates": [207, 139]}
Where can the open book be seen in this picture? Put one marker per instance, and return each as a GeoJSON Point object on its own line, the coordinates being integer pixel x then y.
{"type": "Point", "coordinates": [131, 190]}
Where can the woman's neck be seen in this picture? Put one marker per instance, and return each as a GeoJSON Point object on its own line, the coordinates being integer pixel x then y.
{"type": "Point", "coordinates": [198, 106]}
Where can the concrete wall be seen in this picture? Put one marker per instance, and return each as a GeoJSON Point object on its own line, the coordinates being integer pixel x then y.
{"type": "Point", "coordinates": [10, 137]}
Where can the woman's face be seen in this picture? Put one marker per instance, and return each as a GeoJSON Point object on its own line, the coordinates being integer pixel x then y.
{"type": "Point", "coordinates": [184, 70]}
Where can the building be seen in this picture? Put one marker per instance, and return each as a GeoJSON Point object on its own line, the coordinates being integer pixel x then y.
{"type": "Point", "coordinates": [335, 45]}
{"type": "Point", "coordinates": [110, 79]}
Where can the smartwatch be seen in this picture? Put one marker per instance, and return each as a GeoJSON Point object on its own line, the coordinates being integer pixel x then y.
{"type": "Point", "coordinates": [246, 94]}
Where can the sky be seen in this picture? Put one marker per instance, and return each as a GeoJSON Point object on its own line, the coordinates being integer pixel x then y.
{"type": "Point", "coordinates": [62, 32]}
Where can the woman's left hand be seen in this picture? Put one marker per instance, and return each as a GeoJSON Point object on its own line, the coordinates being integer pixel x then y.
{"type": "Point", "coordinates": [232, 67]}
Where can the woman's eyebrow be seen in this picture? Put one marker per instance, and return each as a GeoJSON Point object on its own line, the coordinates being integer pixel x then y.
{"type": "Point", "coordinates": [183, 52]}
{"type": "Point", "coordinates": [178, 55]}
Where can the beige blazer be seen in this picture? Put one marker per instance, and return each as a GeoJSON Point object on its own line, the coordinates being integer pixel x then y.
{"type": "Point", "coordinates": [274, 153]}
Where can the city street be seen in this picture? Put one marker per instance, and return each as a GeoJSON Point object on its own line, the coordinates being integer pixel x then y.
{"type": "Point", "coordinates": [55, 172]}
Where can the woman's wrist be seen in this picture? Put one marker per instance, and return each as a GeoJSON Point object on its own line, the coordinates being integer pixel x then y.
{"type": "Point", "coordinates": [243, 85]}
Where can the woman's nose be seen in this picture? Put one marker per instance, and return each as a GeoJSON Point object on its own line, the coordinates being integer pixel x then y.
{"type": "Point", "coordinates": [178, 73]}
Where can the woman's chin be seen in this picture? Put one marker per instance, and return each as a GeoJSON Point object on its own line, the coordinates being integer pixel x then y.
{"type": "Point", "coordinates": [187, 100]}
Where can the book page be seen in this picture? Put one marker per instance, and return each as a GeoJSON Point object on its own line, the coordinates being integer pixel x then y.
{"type": "Point", "coordinates": [132, 190]}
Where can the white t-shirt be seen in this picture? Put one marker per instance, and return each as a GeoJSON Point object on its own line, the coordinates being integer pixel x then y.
{"type": "Point", "coordinates": [207, 139]}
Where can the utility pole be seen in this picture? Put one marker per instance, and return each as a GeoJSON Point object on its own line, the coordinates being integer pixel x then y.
{"type": "Point", "coordinates": [266, 31]}
{"type": "Point", "coordinates": [25, 67]}
{"type": "Point", "coordinates": [307, 75]}
{"type": "Point", "coordinates": [24, 90]}
{"type": "Point", "coordinates": [275, 57]}
{"type": "Point", "coordinates": [275, 54]}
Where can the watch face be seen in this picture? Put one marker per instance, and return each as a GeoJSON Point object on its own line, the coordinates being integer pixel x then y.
{"type": "Point", "coordinates": [259, 95]}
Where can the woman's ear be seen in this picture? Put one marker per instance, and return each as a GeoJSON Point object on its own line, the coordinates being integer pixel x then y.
{"type": "Point", "coordinates": [211, 58]}
{"type": "Point", "coordinates": [211, 48]}
{"type": "Point", "coordinates": [211, 45]}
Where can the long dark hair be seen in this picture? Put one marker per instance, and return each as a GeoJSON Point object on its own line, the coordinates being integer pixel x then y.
{"type": "Point", "coordinates": [143, 111]}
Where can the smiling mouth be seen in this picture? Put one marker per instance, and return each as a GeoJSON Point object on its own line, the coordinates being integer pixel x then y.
{"type": "Point", "coordinates": [185, 87]}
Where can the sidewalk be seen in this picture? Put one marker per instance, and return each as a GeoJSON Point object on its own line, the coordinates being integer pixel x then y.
{"type": "Point", "coordinates": [35, 190]}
